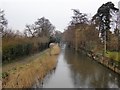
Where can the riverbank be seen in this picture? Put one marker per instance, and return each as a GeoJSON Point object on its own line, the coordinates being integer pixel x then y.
{"type": "Point", "coordinates": [105, 61]}
{"type": "Point", "coordinates": [76, 70]}
{"type": "Point", "coordinates": [113, 65]}
{"type": "Point", "coordinates": [24, 75]}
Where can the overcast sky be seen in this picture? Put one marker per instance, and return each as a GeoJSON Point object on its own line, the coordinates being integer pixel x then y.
{"type": "Point", "coordinates": [22, 12]}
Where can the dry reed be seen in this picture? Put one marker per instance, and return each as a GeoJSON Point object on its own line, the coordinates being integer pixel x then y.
{"type": "Point", "coordinates": [26, 76]}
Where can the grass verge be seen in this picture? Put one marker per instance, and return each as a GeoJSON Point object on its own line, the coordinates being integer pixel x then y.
{"type": "Point", "coordinates": [113, 55]}
{"type": "Point", "coordinates": [25, 75]}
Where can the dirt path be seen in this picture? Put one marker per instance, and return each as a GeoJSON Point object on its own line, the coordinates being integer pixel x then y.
{"type": "Point", "coordinates": [22, 61]}
{"type": "Point", "coordinates": [23, 73]}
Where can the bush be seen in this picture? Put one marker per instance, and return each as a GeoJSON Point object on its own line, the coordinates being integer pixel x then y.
{"type": "Point", "coordinates": [4, 75]}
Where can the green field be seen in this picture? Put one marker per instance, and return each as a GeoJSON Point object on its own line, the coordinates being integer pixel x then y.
{"type": "Point", "coordinates": [113, 55]}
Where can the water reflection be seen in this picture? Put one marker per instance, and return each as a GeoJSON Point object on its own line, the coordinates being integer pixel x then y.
{"type": "Point", "coordinates": [88, 73]}
{"type": "Point", "coordinates": [76, 70]}
{"type": "Point", "coordinates": [61, 78]}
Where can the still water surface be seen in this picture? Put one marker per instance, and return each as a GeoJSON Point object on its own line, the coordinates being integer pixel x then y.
{"type": "Point", "coordinates": [76, 70]}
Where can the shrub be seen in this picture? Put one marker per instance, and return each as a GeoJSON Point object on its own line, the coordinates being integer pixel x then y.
{"type": "Point", "coordinates": [4, 75]}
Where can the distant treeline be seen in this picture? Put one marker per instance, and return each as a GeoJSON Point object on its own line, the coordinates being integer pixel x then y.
{"type": "Point", "coordinates": [95, 35]}
{"type": "Point", "coordinates": [36, 37]}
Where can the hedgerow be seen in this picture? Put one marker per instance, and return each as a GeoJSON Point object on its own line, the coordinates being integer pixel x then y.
{"type": "Point", "coordinates": [19, 47]}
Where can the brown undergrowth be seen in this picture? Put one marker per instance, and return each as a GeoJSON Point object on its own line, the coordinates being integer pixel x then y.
{"type": "Point", "coordinates": [25, 75]}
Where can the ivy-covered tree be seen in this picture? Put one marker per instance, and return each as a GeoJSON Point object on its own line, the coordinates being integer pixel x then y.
{"type": "Point", "coordinates": [3, 23]}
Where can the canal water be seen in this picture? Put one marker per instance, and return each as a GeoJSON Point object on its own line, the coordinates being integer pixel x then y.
{"type": "Point", "coordinates": [76, 70]}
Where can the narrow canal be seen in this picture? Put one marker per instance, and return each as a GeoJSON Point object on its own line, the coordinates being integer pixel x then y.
{"type": "Point", "coordinates": [76, 70]}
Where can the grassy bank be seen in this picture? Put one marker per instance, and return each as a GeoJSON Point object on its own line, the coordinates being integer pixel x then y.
{"type": "Point", "coordinates": [24, 75]}
{"type": "Point", "coordinates": [113, 55]}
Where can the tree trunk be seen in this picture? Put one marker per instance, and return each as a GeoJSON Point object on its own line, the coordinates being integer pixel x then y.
{"type": "Point", "coordinates": [105, 43]}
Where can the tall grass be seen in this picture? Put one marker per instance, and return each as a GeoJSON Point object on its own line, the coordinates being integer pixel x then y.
{"type": "Point", "coordinates": [33, 71]}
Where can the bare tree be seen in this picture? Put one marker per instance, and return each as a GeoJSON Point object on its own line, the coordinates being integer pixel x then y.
{"type": "Point", "coordinates": [79, 18]}
{"type": "Point", "coordinates": [30, 30]}
{"type": "Point", "coordinates": [42, 27]}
